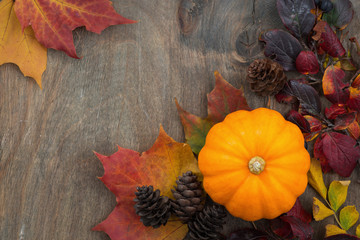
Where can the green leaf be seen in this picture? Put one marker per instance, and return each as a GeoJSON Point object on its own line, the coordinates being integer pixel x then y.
{"type": "Point", "coordinates": [320, 211]}
{"type": "Point", "coordinates": [333, 230]}
{"type": "Point", "coordinates": [348, 217]}
{"type": "Point", "coordinates": [337, 193]}
{"type": "Point", "coordinates": [358, 231]}
{"type": "Point", "coordinates": [315, 177]}
{"type": "Point", "coordinates": [195, 129]}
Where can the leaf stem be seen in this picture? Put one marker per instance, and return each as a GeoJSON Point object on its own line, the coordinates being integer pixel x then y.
{"type": "Point", "coordinates": [354, 77]}
{"type": "Point", "coordinates": [318, 59]}
{"type": "Point", "coordinates": [336, 218]}
{"type": "Point", "coordinates": [253, 223]}
{"type": "Point", "coordinates": [315, 80]}
{"type": "Point", "coordinates": [328, 123]}
{"type": "Point", "coordinates": [268, 104]}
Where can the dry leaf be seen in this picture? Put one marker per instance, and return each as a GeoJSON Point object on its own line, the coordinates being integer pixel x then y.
{"type": "Point", "coordinates": [316, 178]}
{"type": "Point", "coordinates": [53, 21]}
{"type": "Point", "coordinates": [126, 169]}
{"type": "Point", "coordinates": [320, 211]}
{"type": "Point", "coordinates": [332, 230]}
{"type": "Point", "coordinates": [20, 47]}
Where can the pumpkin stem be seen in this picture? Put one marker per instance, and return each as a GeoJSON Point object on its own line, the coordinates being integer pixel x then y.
{"type": "Point", "coordinates": [256, 165]}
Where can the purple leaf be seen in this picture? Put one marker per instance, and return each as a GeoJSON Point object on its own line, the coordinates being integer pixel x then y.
{"type": "Point", "coordinates": [296, 118]}
{"type": "Point", "coordinates": [307, 95]}
{"type": "Point", "coordinates": [300, 229]}
{"type": "Point", "coordinates": [296, 16]}
{"type": "Point", "coordinates": [281, 228]}
{"type": "Point", "coordinates": [299, 212]}
{"type": "Point", "coordinates": [282, 47]}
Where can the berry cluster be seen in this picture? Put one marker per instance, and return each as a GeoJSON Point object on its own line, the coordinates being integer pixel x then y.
{"type": "Point", "coordinates": [324, 5]}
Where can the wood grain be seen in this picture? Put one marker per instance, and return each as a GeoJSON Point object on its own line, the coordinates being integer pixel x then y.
{"type": "Point", "coordinates": [118, 94]}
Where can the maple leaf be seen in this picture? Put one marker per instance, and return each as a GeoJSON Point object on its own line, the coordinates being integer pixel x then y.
{"type": "Point", "coordinates": [222, 100]}
{"type": "Point", "coordinates": [126, 169]}
{"type": "Point", "coordinates": [53, 21]}
{"type": "Point", "coordinates": [20, 47]}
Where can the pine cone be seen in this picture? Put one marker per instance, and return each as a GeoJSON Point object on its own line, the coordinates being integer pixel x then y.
{"type": "Point", "coordinates": [266, 77]}
{"type": "Point", "coordinates": [153, 209]}
{"type": "Point", "coordinates": [208, 223]}
{"type": "Point", "coordinates": [187, 196]}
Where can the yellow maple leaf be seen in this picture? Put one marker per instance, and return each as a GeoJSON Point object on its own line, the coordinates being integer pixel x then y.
{"type": "Point", "coordinates": [20, 47]}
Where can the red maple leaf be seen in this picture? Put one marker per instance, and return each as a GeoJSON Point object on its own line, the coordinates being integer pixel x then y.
{"type": "Point", "coordinates": [222, 100]}
{"type": "Point", "coordinates": [126, 169]}
{"type": "Point", "coordinates": [53, 21]}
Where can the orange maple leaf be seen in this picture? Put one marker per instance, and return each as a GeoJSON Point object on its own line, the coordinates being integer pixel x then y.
{"type": "Point", "coordinates": [159, 166]}
{"type": "Point", "coordinates": [53, 21]}
{"type": "Point", "coordinates": [20, 47]}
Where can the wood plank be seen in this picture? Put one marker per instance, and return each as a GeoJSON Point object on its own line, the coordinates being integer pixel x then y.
{"type": "Point", "coordinates": [119, 93]}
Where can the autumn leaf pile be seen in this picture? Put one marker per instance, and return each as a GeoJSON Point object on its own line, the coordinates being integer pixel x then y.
{"type": "Point", "coordinates": [319, 55]}
{"type": "Point", "coordinates": [28, 28]}
{"type": "Point", "coordinates": [325, 105]}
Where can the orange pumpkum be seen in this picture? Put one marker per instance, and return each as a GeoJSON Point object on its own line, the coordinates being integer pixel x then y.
{"type": "Point", "coordinates": [255, 164]}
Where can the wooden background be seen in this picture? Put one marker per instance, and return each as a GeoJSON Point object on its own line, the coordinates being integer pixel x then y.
{"type": "Point", "coordinates": [119, 93]}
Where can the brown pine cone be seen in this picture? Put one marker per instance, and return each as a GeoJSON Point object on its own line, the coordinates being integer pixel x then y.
{"type": "Point", "coordinates": [266, 77]}
{"type": "Point", "coordinates": [187, 196]}
{"type": "Point", "coordinates": [153, 209]}
{"type": "Point", "coordinates": [208, 223]}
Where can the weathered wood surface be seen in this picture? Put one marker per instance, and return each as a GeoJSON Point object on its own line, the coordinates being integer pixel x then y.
{"type": "Point", "coordinates": [119, 93]}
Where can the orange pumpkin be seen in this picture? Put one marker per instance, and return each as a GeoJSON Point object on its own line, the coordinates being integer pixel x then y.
{"type": "Point", "coordinates": [255, 164]}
